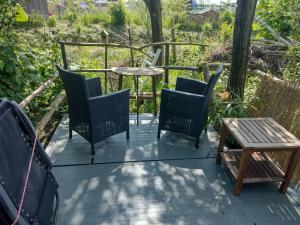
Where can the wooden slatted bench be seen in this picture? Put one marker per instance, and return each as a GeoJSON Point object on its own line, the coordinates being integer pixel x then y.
{"type": "Point", "coordinates": [251, 164]}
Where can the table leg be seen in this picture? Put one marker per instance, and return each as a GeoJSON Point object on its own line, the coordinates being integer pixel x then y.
{"type": "Point", "coordinates": [242, 172]}
{"type": "Point", "coordinates": [120, 82]}
{"type": "Point", "coordinates": [137, 100]}
{"type": "Point", "coordinates": [290, 169]}
{"type": "Point", "coordinates": [111, 83]}
{"type": "Point", "coordinates": [154, 95]}
{"type": "Point", "coordinates": [221, 143]}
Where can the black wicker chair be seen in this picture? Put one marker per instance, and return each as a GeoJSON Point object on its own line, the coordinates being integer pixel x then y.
{"type": "Point", "coordinates": [41, 200]}
{"type": "Point", "coordinates": [185, 110]}
{"type": "Point", "coordinates": [92, 115]}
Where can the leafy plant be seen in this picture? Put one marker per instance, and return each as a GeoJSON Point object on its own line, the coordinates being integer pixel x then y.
{"type": "Point", "coordinates": [35, 20]}
{"type": "Point", "coordinates": [51, 21]}
{"type": "Point", "coordinates": [281, 15]}
{"type": "Point", "coordinates": [118, 13]}
{"type": "Point", "coordinates": [292, 70]}
{"type": "Point", "coordinates": [226, 106]}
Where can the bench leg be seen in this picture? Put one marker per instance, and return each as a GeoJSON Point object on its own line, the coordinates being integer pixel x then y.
{"type": "Point", "coordinates": [221, 144]}
{"type": "Point", "coordinates": [242, 172]}
{"type": "Point", "coordinates": [289, 171]}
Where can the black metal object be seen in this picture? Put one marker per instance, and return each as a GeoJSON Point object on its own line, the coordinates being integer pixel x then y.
{"type": "Point", "coordinates": [92, 115]}
{"type": "Point", "coordinates": [16, 142]}
{"type": "Point", "coordinates": [185, 110]}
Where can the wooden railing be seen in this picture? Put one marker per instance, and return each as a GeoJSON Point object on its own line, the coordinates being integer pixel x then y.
{"type": "Point", "coordinates": [53, 106]}
{"type": "Point", "coordinates": [166, 45]}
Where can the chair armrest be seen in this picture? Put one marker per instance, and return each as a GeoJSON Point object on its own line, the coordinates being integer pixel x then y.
{"type": "Point", "coordinates": [110, 106]}
{"type": "Point", "coordinates": [182, 104]}
{"type": "Point", "coordinates": [190, 86]}
{"type": "Point", "coordinates": [94, 86]}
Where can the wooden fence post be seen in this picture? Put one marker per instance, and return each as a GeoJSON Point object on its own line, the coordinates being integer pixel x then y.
{"type": "Point", "coordinates": [206, 73]}
{"type": "Point", "coordinates": [105, 38]}
{"type": "Point", "coordinates": [167, 58]}
{"type": "Point", "coordinates": [173, 46]}
{"type": "Point", "coordinates": [130, 44]}
{"type": "Point", "coordinates": [132, 57]}
{"type": "Point", "coordinates": [64, 55]}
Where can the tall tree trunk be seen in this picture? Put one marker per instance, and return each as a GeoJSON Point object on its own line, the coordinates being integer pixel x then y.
{"type": "Point", "coordinates": [241, 42]}
{"type": "Point", "coordinates": [154, 8]}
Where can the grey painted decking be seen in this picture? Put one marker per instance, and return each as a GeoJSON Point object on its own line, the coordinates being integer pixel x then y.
{"type": "Point", "coordinates": [145, 181]}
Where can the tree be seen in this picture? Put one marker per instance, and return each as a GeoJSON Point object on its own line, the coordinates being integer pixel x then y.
{"type": "Point", "coordinates": [154, 8]}
{"type": "Point", "coordinates": [241, 42]}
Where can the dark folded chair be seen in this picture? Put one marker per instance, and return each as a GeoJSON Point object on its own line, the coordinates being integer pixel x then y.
{"type": "Point", "coordinates": [16, 140]}
{"type": "Point", "coordinates": [185, 110]}
{"type": "Point", "coordinates": [92, 115]}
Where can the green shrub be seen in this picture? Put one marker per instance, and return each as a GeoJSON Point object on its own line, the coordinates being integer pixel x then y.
{"type": "Point", "coordinates": [226, 31]}
{"type": "Point", "coordinates": [118, 13]}
{"type": "Point", "coordinates": [35, 20]}
{"type": "Point", "coordinates": [227, 16]}
{"type": "Point", "coordinates": [71, 17]}
{"type": "Point", "coordinates": [207, 28]}
{"type": "Point", "coordinates": [51, 21]}
{"type": "Point", "coordinates": [292, 69]}
{"type": "Point", "coordinates": [226, 106]}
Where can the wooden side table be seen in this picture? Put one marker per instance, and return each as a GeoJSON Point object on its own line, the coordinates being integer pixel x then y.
{"type": "Point", "coordinates": [251, 163]}
{"type": "Point", "coordinates": [136, 72]}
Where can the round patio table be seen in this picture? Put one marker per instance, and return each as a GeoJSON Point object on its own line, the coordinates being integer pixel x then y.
{"type": "Point", "coordinates": [136, 72]}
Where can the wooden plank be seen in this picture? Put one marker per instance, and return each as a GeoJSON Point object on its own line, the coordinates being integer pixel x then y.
{"type": "Point", "coordinates": [259, 169]}
{"type": "Point", "coordinates": [242, 132]}
{"type": "Point", "coordinates": [262, 131]}
{"type": "Point", "coordinates": [276, 136]}
{"type": "Point", "coordinates": [246, 131]}
{"type": "Point", "coordinates": [38, 91]}
{"type": "Point", "coordinates": [246, 142]}
{"type": "Point", "coordinates": [258, 134]}
{"type": "Point", "coordinates": [137, 71]}
{"type": "Point", "coordinates": [234, 131]}
{"type": "Point", "coordinates": [273, 123]}
{"type": "Point", "coordinates": [46, 118]}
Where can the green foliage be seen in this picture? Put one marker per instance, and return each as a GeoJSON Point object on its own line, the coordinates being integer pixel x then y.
{"type": "Point", "coordinates": [207, 28]}
{"type": "Point", "coordinates": [227, 16]}
{"type": "Point", "coordinates": [226, 32]}
{"type": "Point", "coordinates": [71, 16]}
{"type": "Point", "coordinates": [173, 12]}
{"type": "Point", "coordinates": [51, 21]}
{"type": "Point", "coordinates": [7, 18]}
{"type": "Point", "coordinates": [95, 18]}
{"type": "Point", "coordinates": [227, 107]}
{"type": "Point", "coordinates": [292, 70]}
{"type": "Point", "coordinates": [118, 13]}
{"type": "Point", "coordinates": [281, 15]}
{"type": "Point", "coordinates": [35, 20]}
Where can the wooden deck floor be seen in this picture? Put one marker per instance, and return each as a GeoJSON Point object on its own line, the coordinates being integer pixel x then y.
{"type": "Point", "coordinates": [145, 181]}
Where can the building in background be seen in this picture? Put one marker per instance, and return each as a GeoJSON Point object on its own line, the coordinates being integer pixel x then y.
{"type": "Point", "coordinates": [36, 6]}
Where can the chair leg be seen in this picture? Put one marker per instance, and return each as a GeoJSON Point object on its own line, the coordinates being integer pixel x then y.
{"type": "Point", "coordinates": [70, 133]}
{"type": "Point", "coordinates": [93, 149]}
{"type": "Point", "coordinates": [127, 134]}
{"type": "Point", "coordinates": [158, 133]}
{"type": "Point", "coordinates": [205, 129]}
{"type": "Point", "coordinates": [197, 142]}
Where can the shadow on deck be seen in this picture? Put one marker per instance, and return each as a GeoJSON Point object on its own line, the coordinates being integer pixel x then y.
{"type": "Point", "coordinates": [146, 181]}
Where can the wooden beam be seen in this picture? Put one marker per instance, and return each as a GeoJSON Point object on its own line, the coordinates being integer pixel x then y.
{"type": "Point", "coordinates": [47, 117]}
{"type": "Point", "coordinates": [38, 91]}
